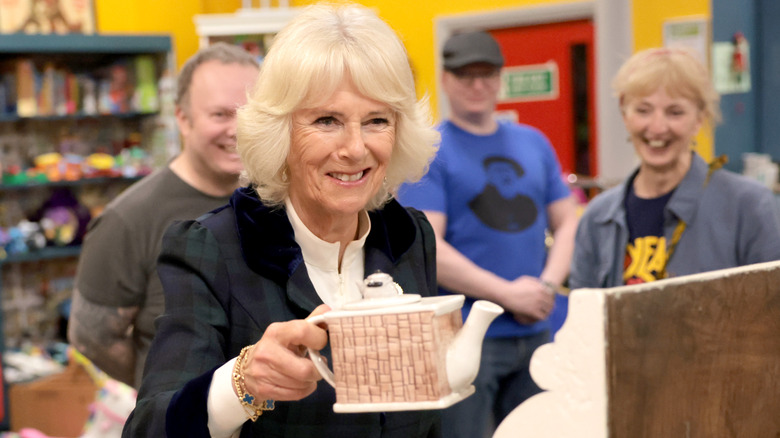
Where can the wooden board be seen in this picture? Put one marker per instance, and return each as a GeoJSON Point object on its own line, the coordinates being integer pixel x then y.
{"type": "Point", "coordinates": [698, 358]}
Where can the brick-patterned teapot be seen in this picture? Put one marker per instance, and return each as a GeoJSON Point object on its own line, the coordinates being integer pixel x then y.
{"type": "Point", "coordinates": [396, 352]}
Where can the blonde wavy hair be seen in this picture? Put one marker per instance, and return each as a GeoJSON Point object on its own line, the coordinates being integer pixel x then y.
{"type": "Point", "coordinates": [676, 70]}
{"type": "Point", "coordinates": [307, 61]}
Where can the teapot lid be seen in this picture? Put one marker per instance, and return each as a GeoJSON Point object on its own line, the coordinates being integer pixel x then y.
{"type": "Point", "coordinates": [379, 290]}
{"type": "Point", "coordinates": [372, 303]}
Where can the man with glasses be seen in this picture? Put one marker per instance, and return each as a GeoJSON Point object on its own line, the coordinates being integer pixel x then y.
{"type": "Point", "coordinates": [493, 190]}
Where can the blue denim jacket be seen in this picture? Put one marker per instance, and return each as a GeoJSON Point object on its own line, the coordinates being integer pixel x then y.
{"type": "Point", "coordinates": [733, 221]}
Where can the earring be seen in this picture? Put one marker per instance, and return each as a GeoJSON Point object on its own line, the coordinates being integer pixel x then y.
{"type": "Point", "coordinates": [284, 175]}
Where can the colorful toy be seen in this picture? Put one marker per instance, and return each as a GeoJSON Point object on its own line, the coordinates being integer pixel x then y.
{"type": "Point", "coordinates": [99, 165]}
{"type": "Point", "coordinates": [113, 402]}
{"type": "Point", "coordinates": [133, 162]}
{"type": "Point", "coordinates": [63, 219]}
{"type": "Point", "coordinates": [72, 167]}
{"type": "Point", "coordinates": [115, 91]}
{"type": "Point", "coordinates": [49, 164]}
{"type": "Point", "coordinates": [145, 96]}
{"type": "Point", "coordinates": [59, 226]}
{"type": "Point", "coordinates": [22, 238]}
{"type": "Point", "coordinates": [13, 175]}
{"type": "Point", "coordinates": [32, 235]}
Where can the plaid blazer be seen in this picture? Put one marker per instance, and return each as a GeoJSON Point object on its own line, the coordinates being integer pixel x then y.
{"type": "Point", "coordinates": [230, 274]}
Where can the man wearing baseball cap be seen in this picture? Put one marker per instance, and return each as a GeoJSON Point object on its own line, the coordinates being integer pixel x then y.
{"type": "Point", "coordinates": [490, 194]}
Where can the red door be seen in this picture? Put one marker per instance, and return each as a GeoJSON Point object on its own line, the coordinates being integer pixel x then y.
{"type": "Point", "coordinates": [549, 83]}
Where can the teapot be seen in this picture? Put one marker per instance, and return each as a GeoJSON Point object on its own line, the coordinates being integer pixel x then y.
{"type": "Point", "coordinates": [395, 352]}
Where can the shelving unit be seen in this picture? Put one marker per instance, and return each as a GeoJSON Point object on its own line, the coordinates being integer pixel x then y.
{"type": "Point", "coordinates": [80, 182]}
{"type": "Point", "coordinates": [152, 131]}
{"type": "Point", "coordinates": [75, 44]}
{"type": "Point", "coordinates": [48, 253]}
{"type": "Point", "coordinates": [77, 116]}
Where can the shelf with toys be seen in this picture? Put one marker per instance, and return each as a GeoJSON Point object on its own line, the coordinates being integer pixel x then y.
{"type": "Point", "coordinates": [81, 118]}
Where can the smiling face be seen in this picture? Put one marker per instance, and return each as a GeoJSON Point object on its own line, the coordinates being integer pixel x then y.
{"type": "Point", "coordinates": [339, 154]}
{"type": "Point", "coordinates": [662, 129]}
{"type": "Point", "coordinates": [208, 122]}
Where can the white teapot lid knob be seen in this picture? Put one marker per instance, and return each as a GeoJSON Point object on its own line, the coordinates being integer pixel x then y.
{"type": "Point", "coordinates": [380, 285]}
{"type": "Point", "coordinates": [379, 290]}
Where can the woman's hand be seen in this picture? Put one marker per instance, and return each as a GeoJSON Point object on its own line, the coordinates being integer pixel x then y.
{"type": "Point", "coordinates": [276, 367]}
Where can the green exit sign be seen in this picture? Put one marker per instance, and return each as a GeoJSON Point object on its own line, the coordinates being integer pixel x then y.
{"type": "Point", "coordinates": [529, 82]}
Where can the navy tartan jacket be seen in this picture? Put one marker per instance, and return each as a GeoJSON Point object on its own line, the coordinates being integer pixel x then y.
{"type": "Point", "coordinates": [231, 273]}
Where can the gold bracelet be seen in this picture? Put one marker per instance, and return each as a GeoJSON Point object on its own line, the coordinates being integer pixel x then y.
{"type": "Point", "coordinates": [248, 400]}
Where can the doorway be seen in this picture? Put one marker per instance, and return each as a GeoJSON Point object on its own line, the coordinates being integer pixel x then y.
{"type": "Point", "coordinates": [612, 44]}
{"type": "Point", "coordinates": [549, 83]}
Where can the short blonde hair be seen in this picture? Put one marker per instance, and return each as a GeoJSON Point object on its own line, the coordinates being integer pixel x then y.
{"type": "Point", "coordinates": [306, 63]}
{"type": "Point", "coordinates": [676, 70]}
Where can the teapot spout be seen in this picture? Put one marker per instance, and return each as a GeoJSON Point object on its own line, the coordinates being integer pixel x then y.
{"type": "Point", "coordinates": [464, 354]}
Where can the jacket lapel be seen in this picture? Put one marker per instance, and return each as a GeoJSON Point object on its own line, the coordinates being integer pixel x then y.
{"type": "Point", "coordinates": [269, 249]}
{"type": "Point", "coordinates": [300, 290]}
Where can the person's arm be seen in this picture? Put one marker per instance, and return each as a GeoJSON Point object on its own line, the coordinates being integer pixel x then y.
{"type": "Point", "coordinates": [225, 411]}
{"type": "Point", "coordinates": [109, 288]}
{"type": "Point", "coordinates": [562, 218]}
{"type": "Point", "coordinates": [102, 334]}
{"type": "Point", "coordinates": [188, 353]}
{"type": "Point", "coordinates": [527, 298]}
{"type": "Point", "coordinates": [275, 360]}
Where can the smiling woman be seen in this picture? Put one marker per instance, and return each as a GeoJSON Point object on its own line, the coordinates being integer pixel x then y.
{"type": "Point", "coordinates": [331, 129]}
{"type": "Point", "coordinates": [338, 159]}
{"type": "Point", "coordinates": [675, 215]}
{"type": "Point", "coordinates": [665, 97]}
{"type": "Point", "coordinates": [662, 129]}
{"type": "Point", "coordinates": [308, 65]}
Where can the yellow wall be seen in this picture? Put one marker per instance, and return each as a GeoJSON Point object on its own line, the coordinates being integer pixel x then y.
{"type": "Point", "coordinates": [174, 17]}
{"type": "Point", "coordinates": [412, 19]}
{"type": "Point", "coordinates": [416, 28]}
{"type": "Point", "coordinates": [648, 18]}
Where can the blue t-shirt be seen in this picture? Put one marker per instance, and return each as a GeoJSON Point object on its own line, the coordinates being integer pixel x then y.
{"type": "Point", "coordinates": [494, 190]}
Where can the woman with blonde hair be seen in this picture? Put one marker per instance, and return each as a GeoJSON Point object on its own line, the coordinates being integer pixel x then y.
{"type": "Point", "coordinates": [676, 214]}
{"type": "Point", "coordinates": [330, 131]}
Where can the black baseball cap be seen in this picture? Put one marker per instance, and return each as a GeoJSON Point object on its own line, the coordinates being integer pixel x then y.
{"type": "Point", "coordinates": [469, 48]}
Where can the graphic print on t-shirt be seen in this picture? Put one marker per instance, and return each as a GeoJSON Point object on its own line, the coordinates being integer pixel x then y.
{"type": "Point", "coordinates": [646, 250]}
{"type": "Point", "coordinates": [645, 258]}
{"type": "Point", "coordinates": [501, 205]}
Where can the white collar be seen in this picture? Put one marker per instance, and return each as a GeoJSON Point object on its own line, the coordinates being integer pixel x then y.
{"type": "Point", "coordinates": [321, 258]}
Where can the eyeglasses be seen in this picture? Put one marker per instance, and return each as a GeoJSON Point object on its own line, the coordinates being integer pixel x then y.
{"type": "Point", "coordinates": [468, 76]}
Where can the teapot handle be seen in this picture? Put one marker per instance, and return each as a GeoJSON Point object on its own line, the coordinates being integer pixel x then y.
{"type": "Point", "coordinates": [318, 361]}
